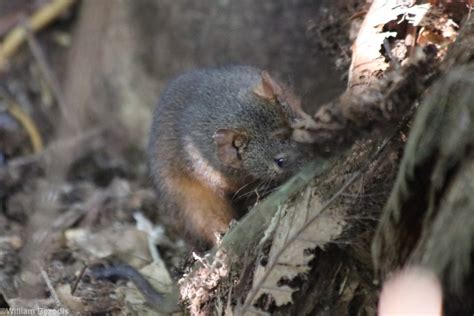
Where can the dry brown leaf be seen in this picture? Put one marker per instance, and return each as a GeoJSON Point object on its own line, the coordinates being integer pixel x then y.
{"type": "Point", "coordinates": [70, 301]}
{"type": "Point", "coordinates": [112, 241]}
{"type": "Point", "coordinates": [295, 235]}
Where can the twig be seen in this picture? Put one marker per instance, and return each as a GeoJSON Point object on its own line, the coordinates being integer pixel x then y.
{"type": "Point", "coordinates": [63, 143]}
{"type": "Point", "coordinates": [79, 277]}
{"type": "Point", "coordinates": [47, 72]}
{"type": "Point", "coordinates": [27, 123]}
{"type": "Point", "coordinates": [50, 286]}
{"type": "Point", "coordinates": [229, 298]}
{"type": "Point", "coordinates": [41, 18]}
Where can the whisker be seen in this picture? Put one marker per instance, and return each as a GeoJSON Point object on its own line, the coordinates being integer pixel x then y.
{"type": "Point", "coordinates": [258, 196]}
{"type": "Point", "coordinates": [264, 187]}
{"type": "Point", "coordinates": [243, 187]}
{"type": "Point", "coordinates": [262, 191]}
{"type": "Point", "coordinates": [247, 193]}
{"type": "Point", "coordinates": [270, 190]}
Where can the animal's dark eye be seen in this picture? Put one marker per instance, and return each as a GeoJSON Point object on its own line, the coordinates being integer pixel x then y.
{"type": "Point", "coordinates": [280, 162]}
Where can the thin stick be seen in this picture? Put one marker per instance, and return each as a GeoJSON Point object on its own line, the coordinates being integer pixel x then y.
{"type": "Point", "coordinates": [50, 286]}
{"type": "Point", "coordinates": [28, 124]}
{"type": "Point", "coordinates": [79, 277]}
{"type": "Point", "coordinates": [41, 18]}
{"type": "Point", "coordinates": [64, 144]}
{"type": "Point", "coordinates": [47, 72]}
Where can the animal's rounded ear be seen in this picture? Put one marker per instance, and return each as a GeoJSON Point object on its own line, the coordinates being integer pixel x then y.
{"type": "Point", "coordinates": [268, 89]}
{"type": "Point", "coordinates": [282, 133]}
{"type": "Point", "coordinates": [230, 145]}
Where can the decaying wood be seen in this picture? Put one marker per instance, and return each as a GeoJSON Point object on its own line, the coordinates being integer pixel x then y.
{"type": "Point", "coordinates": [376, 97]}
{"type": "Point", "coordinates": [368, 64]}
{"type": "Point", "coordinates": [428, 219]}
{"type": "Point", "coordinates": [458, 61]}
{"type": "Point", "coordinates": [339, 123]}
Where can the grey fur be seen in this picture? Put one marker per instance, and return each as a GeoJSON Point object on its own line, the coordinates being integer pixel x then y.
{"type": "Point", "coordinates": [195, 105]}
